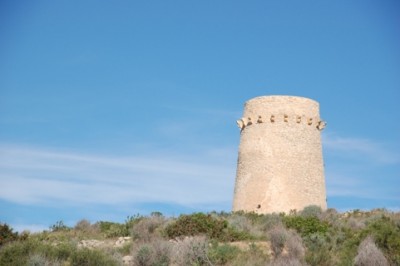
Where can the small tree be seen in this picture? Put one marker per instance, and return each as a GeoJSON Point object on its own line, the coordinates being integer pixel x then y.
{"type": "Point", "coordinates": [7, 234]}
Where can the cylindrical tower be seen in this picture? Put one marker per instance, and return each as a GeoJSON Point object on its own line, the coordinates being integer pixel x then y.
{"type": "Point", "coordinates": [280, 165]}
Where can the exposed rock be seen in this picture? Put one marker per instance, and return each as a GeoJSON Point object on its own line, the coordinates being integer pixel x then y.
{"type": "Point", "coordinates": [122, 241]}
{"type": "Point", "coordinates": [127, 260]}
{"type": "Point", "coordinates": [90, 243]}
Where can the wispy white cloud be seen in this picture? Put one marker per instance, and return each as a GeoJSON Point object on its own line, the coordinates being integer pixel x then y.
{"type": "Point", "coordinates": [366, 148]}
{"type": "Point", "coordinates": [47, 177]}
{"type": "Point", "coordinates": [360, 168]}
{"type": "Point", "coordinates": [341, 184]}
{"type": "Point", "coordinates": [42, 176]}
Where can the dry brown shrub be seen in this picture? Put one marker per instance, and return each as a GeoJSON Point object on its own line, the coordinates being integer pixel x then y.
{"type": "Point", "coordinates": [355, 224]}
{"type": "Point", "coordinates": [294, 245]}
{"type": "Point", "coordinates": [148, 229]}
{"type": "Point", "coordinates": [286, 261]}
{"type": "Point", "coordinates": [369, 254]}
{"type": "Point", "coordinates": [243, 224]}
{"type": "Point", "coordinates": [240, 222]}
{"type": "Point", "coordinates": [255, 255]}
{"type": "Point", "coordinates": [41, 260]}
{"type": "Point", "coordinates": [158, 252]}
{"type": "Point", "coordinates": [278, 236]}
{"type": "Point", "coordinates": [82, 225]}
{"type": "Point", "coordinates": [191, 251]}
{"type": "Point", "coordinates": [85, 227]}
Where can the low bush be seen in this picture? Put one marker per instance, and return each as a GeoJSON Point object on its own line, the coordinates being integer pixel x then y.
{"type": "Point", "coordinates": [143, 256]}
{"type": "Point", "coordinates": [286, 261]}
{"type": "Point", "coordinates": [386, 234]}
{"type": "Point", "coordinates": [153, 253]}
{"type": "Point", "coordinates": [191, 251]}
{"type": "Point", "coordinates": [369, 254]}
{"type": "Point", "coordinates": [111, 229]}
{"type": "Point", "coordinates": [311, 211]}
{"type": "Point", "coordinates": [221, 254]}
{"type": "Point", "coordinates": [318, 251]}
{"type": "Point", "coordinates": [307, 237]}
{"type": "Point", "coordinates": [82, 225]}
{"type": "Point", "coordinates": [204, 224]}
{"type": "Point", "coordinates": [148, 228]}
{"type": "Point", "coordinates": [59, 226]}
{"type": "Point", "coordinates": [278, 236]}
{"type": "Point", "coordinates": [88, 257]}
{"type": "Point", "coordinates": [255, 256]}
{"type": "Point", "coordinates": [294, 245]}
{"type": "Point", "coordinates": [7, 234]}
{"type": "Point", "coordinates": [20, 252]}
{"type": "Point", "coordinates": [306, 226]}
{"type": "Point", "coordinates": [242, 223]}
{"type": "Point", "coordinates": [40, 260]}
{"type": "Point", "coordinates": [17, 253]}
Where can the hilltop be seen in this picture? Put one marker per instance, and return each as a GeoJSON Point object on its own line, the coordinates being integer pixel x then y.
{"type": "Point", "coordinates": [308, 237]}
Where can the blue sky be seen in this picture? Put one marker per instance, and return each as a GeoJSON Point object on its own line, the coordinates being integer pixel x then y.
{"type": "Point", "coordinates": [112, 108]}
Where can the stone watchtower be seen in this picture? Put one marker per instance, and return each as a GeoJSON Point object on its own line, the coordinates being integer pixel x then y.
{"type": "Point", "coordinates": [280, 165]}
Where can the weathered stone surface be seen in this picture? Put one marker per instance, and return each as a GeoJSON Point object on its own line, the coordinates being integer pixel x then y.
{"type": "Point", "coordinates": [127, 260]}
{"type": "Point", "coordinates": [280, 165]}
{"type": "Point", "coordinates": [91, 243]}
{"type": "Point", "coordinates": [122, 241]}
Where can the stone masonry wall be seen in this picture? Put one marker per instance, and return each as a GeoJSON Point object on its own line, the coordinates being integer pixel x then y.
{"type": "Point", "coordinates": [280, 165]}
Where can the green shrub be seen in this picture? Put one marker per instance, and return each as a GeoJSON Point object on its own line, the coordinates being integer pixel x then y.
{"type": "Point", "coordinates": [21, 252]}
{"type": "Point", "coordinates": [134, 219]}
{"type": "Point", "coordinates": [268, 221]}
{"type": "Point", "coordinates": [255, 256]}
{"type": "Point", "coordinates": [61, 251]}
{"type": "Point", "coordinates": [16, 253]}
{"type": "Point", "coordinates": [240, 222]}
{"type": "Point", "coordinates": [87, 257]}
{"type": "Point", "coordinates": [196, 224]}
{"type": "Point", "coordinates": [125, 249]}
{"type": "Point", "coordinates": [318, 253]}
{"type": "Point", "coordinates": [222, 254]}
{"type": "Point", "coordinates": [203, 224]}
{"type": "Point", "coordinates": [254, 226]}
{"type": "Point", "coordinates": [306, 226]}
{"type": "Point", "coordinates": [6, 234]}
{"type": "Point", "coordinates": [386, 234]}
{"type": "Point", "coordinates": [59, 226]}
{"type": "Point", "coordinates": [111, 229]}
{"type": "Point", "coordinates": [40, 260]}
{"type": "Point", "coordinates": [327, 238]}
{"type": "Point", "coordinates": [311, 211]}
{"type": "Point", "coordinates": [144, 256]}
{"type": "Point", "coordinates": [286, 261]}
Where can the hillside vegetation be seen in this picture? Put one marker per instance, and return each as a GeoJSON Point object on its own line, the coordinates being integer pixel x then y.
{"type": "Point", "coordinates": [308, 237]}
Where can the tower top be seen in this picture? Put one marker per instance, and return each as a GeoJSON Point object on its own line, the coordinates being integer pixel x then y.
{"type": "Point", "coordinates": [277, 104]}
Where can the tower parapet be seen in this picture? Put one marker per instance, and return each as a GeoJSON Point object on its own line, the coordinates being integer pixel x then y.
{"type": "Point", "coordinates": [280, 165]}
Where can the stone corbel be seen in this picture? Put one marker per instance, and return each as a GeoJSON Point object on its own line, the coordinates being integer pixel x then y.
{"type": "Point", "coordinates": [321, 125]}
